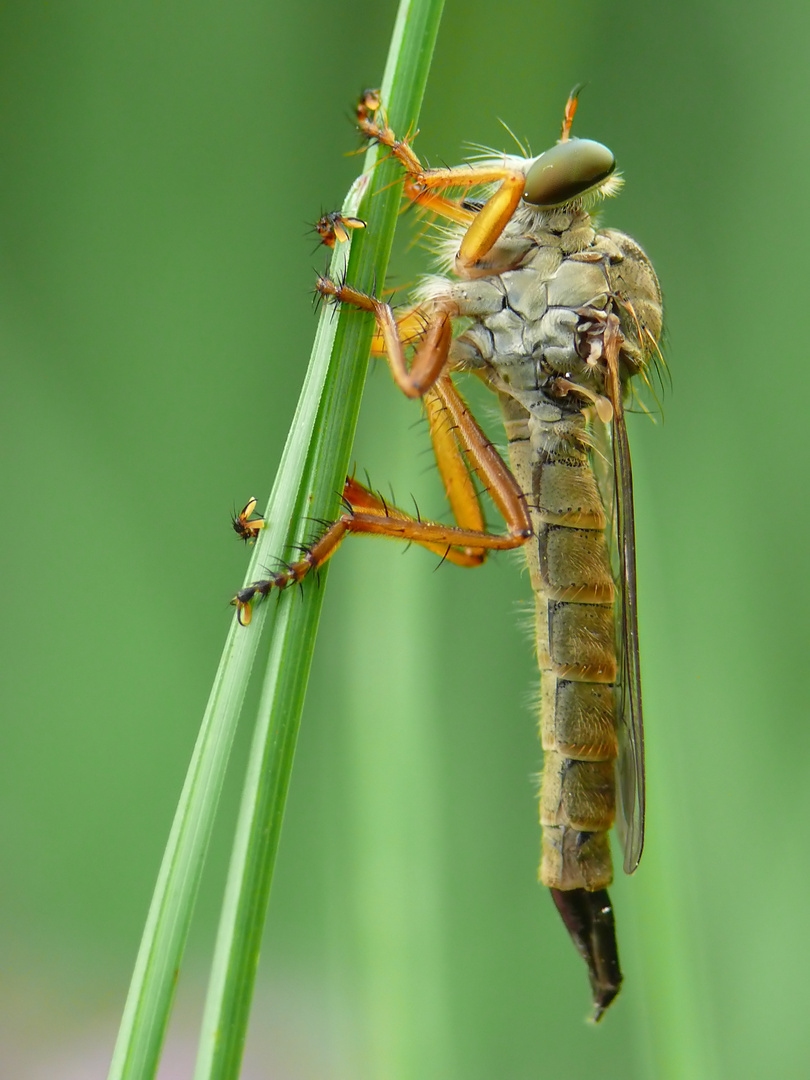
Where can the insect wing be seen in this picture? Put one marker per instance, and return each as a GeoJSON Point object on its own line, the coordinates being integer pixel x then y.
{"type": "Point", "coordinates": [630, 767]}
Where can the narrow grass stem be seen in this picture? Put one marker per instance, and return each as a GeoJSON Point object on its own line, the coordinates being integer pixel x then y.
{"type": "Point", "coordinates": [310, 478]}
{"type": "Point", "coordinates": [295, 625]}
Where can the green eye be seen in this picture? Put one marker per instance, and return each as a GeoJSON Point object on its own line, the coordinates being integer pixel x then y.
{"type": "Point", "coordinates": [566, 171]}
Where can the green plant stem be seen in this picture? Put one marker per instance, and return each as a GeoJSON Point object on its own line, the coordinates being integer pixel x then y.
{"type": "Point", "coordinates": [258, 830]}
{"type": "Point", "coordinates": [314, 462]}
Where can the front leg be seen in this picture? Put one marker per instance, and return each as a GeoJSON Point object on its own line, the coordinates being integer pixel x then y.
{"type": "Point", "coordinates": [422, 184]}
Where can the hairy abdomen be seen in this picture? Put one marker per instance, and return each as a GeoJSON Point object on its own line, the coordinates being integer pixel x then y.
{"type": "Point", "coordinates": [569, 564]}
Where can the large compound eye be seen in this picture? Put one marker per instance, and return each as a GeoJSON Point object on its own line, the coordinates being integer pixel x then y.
{"type": "Point", "coordinates": [566, 171]}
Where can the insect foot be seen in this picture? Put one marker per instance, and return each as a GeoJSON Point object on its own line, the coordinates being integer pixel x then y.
{"type": "Point", "coordinates": [245, 526]}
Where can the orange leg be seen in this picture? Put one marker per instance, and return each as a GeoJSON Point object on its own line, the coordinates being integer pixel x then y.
{"type": "Point", "coordinates": [431, 352]}
{"type": "Point", "coordinates": [485, 226]}
{"type": "Point", "coordinates": [246, 526]}
{"type": "Point", "coordinates": [456, 436]}
{"type": "Point", "coordinates": [411, 324]}
{"type": "Point", "coordinates": [453, 467]}
{"type": "Point", "coordinates": [334, 227]}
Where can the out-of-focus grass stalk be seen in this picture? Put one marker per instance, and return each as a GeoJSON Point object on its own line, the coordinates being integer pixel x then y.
{"type": "Point", "coordinates": [395, 823]}
{"type": "Point", "coordinates": [293, 636]}
{"type": "Point", "coordinates": [314, 463]}
{"type": "Point", "coordinates": [678, 1011]}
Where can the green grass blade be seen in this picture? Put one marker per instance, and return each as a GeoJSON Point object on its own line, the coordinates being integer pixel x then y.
{"type": "Point", "coordinates": [148, 1006]}
{"type": "Point", "coordinates": [306, 468]}
{"type": "Point", "coordinates": [295, 624]}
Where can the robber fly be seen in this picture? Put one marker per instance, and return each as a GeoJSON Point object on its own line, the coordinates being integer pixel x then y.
{"type": "Point", "coordinates": [560, 316]}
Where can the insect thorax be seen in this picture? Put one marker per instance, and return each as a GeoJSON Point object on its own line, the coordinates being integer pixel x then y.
{"type": "Point", "coordinates": [526, 304]}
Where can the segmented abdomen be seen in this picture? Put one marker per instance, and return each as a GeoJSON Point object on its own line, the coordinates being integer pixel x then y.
{"type": "Point", "coordinates": [571, 576]}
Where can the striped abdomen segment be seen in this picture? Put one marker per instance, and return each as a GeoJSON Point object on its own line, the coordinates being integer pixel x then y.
{"type": "Point", "coordinates": [571, 576]}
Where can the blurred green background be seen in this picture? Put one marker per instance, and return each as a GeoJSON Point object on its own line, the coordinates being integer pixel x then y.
{"type": "Point", "coordinates": [160, 164]}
